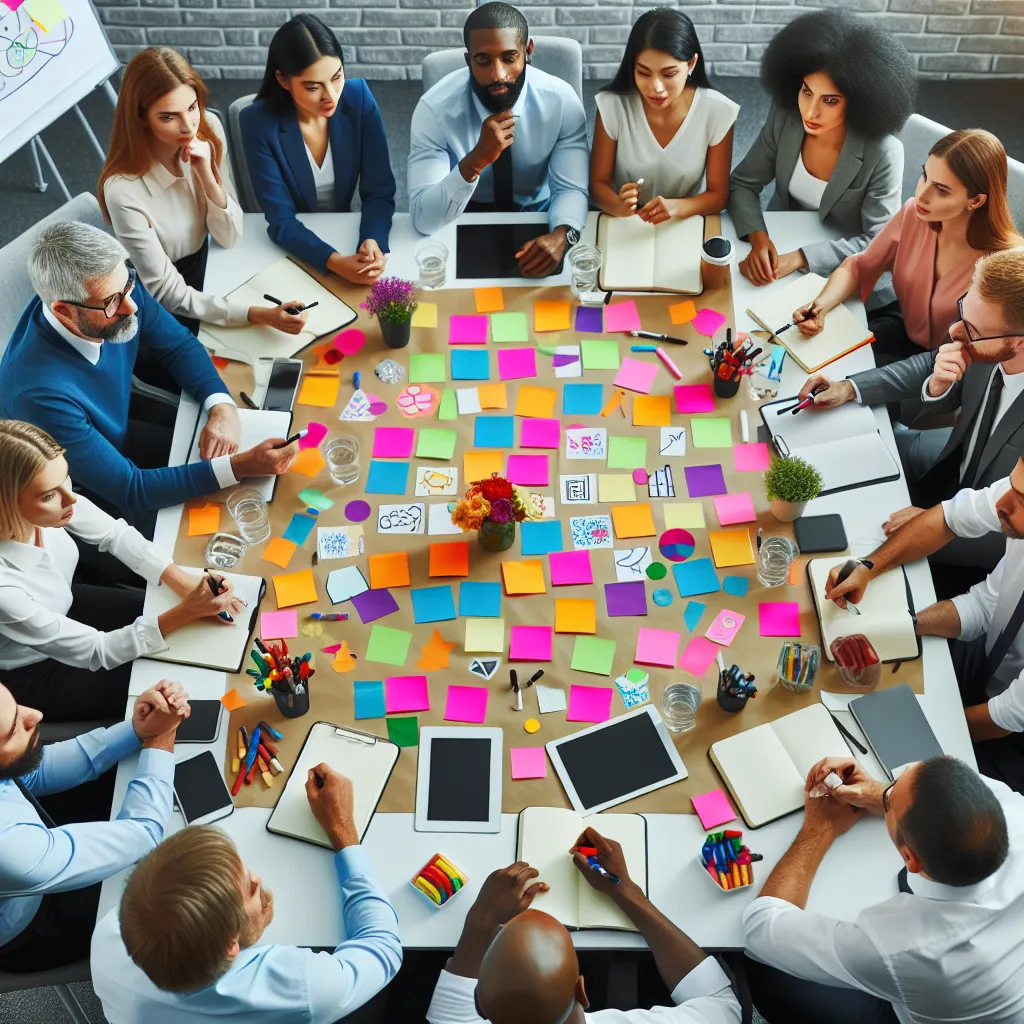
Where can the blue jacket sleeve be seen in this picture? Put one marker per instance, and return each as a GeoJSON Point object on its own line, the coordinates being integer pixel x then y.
{"type": "Point", "coordinates": [376, 179]}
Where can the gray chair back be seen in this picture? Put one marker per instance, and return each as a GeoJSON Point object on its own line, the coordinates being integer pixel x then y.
{"type": "Point", "coordinates": [58, 978]}
{"type": "Point", "coordinates": [243, 183]}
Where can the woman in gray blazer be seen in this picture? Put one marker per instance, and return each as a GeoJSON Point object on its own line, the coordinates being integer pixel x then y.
{"type": "Point", "coordinates": [840, 87]}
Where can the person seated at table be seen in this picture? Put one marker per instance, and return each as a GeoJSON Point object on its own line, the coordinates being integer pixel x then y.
{"type": "Point", "coordinates": [56, 849]}
{"type": "Point", "coordinates": [68, 369]}
{"type": "Point", "coordinates": [514, 964]}
{"type": "Point", "coordinates": [661, 121]}
{"type": "Point", "coordinates": [462, 156]}
{"type": "Point", "coordinates": [946, 948]}
{"type": "Point", "coordinates": [185, 942]}
{"type": "Point", "coordinates": [841, 88]}
{"type": "Point", "coordinates": [958, 213]}
{"type": "Point", "coordinates": [309, 137]}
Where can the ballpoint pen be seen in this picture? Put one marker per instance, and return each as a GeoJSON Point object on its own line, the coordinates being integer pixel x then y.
{"type": "Point", "coordinates": [844, 573]}
{"type": "Point", "coordinates": [216, 586]}
{"type": "Point", "coordinates": [651, 336]}
{"type": "Point", "coordinates": [291, 440]}
{"type": "Point", "coordinates": [294, 310]}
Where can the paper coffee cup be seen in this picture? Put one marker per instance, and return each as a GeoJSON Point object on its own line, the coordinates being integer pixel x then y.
{"type": "Point", "coordinates": [715, 260]}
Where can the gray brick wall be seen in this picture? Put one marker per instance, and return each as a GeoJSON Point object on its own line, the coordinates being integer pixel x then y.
{"type": "Point", "coordinates": [387, 39]}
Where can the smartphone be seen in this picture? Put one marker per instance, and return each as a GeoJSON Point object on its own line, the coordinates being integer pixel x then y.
{"type": "Point", "coordinates": [285, 375]}
{"type": "Point", "coordinates": [200, 790]}
{"type": "Point", "coordinates": [203, 725]}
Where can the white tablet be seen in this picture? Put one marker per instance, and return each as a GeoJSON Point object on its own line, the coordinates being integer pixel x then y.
{"type": "Point", "coordinates": [615, 761]}
{"type": "Point", "coordinates": [458, 780]}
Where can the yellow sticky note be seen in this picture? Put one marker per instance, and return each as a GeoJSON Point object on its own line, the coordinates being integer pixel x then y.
{"type": "Point", "coordinates": [279, 551]}
{"type": "Point", "coordinates": [484, 636]}
{"type": "Point", "coordinates": [524, 577]}
{"type": "Point", "coordinates": [492, 396]}
{"type": "Point", "coordinates": [682, 312]}
{"type": "Point", "coordinates": [479, 465]}
{"type": "Point", "coordinates": [615, 487]}
{"type": "Point", "coordinates": [309, 462]}
{"type": "Point", "coordinates": [203, 520]}
{"type": "Point", "coordinates": [536, 402]}
{"type": "Point", "coordinates": [425, 315]}
{"type": "Point", "coordinates": [489, 300]}
{"type": "Point", "coordinates": [575, 615]}
{"type": "Point", "coordinates": [47, 14]}
{"type": "Point", "coordinates": [731, 547]}
{"type": "Point", "coordinates": [389, 570]}
{"type": "Point", "coordinates": [633, 521]}
{"type": "Point", "coordinates": [551, 316]}
{"type": "Point", "coordinates": [652, 411]}
{"type": "Point", "coordinates": [683, 515]}
{"type": "Point", "coordinates": [295, 588]}
{"type": "Point", "coordinates": [319, 390]}
{"type": "Point", "coordinates": [233, 700]}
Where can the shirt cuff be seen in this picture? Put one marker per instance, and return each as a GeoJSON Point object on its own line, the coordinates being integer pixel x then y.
{"type": "Point", "coordinates": [218, 398]}
{"type": "Point", "coordinates": [457, 191]}
{"type": "Point", "coordinates": [925, 397]}
{"type": "Point", "coordinates": [121, 740]}
{"type": "Point", "coordinates": [351, 861]}
{"type": "Point", "coordinates": [237, 316]}
{"type": "Point", "coordinates": [150, 638]}
{"type": "Point", "coordinates": [157, 764]}
{"type": "Point", "coordinates": [706, 979]}
{"type": "Point", "coordinates": [222, 470]}
{"type": "Point", "coordinates": [856, 391]}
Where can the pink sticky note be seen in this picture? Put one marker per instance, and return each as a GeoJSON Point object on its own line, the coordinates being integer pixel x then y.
{"type": "Point", "coordinates": [725, 627]}
{"type": "Point", "coordinates": [529, 763]}
{"type": "Point", "coordinates": [707, 321]}
{"type": "Point", "coordinates": [279, 625]}
{"type": "Point", "coordinates": [406, 693]}
{"type": "Point", "coordinates": [468, 330]}
{"type": "Point", "coordinates": [465, 704]}
{"type": "Point", "coordinates": [349, 342]}
{"type": "Point", "coordinates": [694, 398]}
{"type": "Point", "coordinates": [517, 363]}
{"type": "Point", "coordinates": [751, 458]}
{"type": "Point", "coordinates": [315, 433]}
{"type": "Point", "coordinates": [569, 568]}
{"type": "Point", "coordinates": [698, 655]}
{"type": "Point", "coordinates": [735, 508]}
{"type": "Point", "coordinates": [621, 316]}
{"type": "Point", "coordinates": [589, 703]}
{"type": "Point", "coordinates": [538, 433]}
{"type": "Point", "coordinates": [528, 469]}
{"type": "Point", "coordinates": [393, 442]}
{"type": "Point", "coordinates": [713, 809]}
{"type": "Point", "coordinates": [657, 647]}
{"type": "Point", "coordinates": [332, 649]}
{"type": "Point", "coordinates": [778, 618]}
{"type": "Point", "coordinates": [530, 643]}
{"type": "Point", "coordinates": [634, 375]}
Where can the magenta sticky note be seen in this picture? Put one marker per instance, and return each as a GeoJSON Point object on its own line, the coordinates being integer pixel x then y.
{"type": "Point", "coordinates": [751, 458]}
{"type": "Point", "coordinates": [589, 703]}
{"type": "Point", "coordinates": [635, 375]}
{"type": "Point", "coordinates": [657, 647]}
{"type": "Point", "coordinates": [698, 655]}
{"type": "Point", "coordinates": [315, 433]}
{"type": "Point", "coordinates": [735, 508]}
{"type": "Point", "coordinates": [465, 704]}
{"type": "Point", "coordinates": [530, 643]}
{"type": "Point", "coordinates": [570, 568]}
{"type": "Point", "coordinates": [467, 330]}
{"type": "Point", "coordinates": [529, 762]}
{"type": "Point", "coordinates": [279, 625]}
{"type": "Point", "coordinates": [406, 693]}
{"type": "Point", "coordinates": [707, 321]}
{"type": "Point", "coordinates": [713, 809]}
{"type": "Point", "coordinates": [694, 398]}
{"type": "Point", "coordinates": [540, 433]}
{"type": "Point", "coordinates": [528, 469]}
{"type": "Point", "coordinates": [517, 363]}
{"type": "Point", "coordinates": [393, 442]}
{"type": "Point", "coordinates": [621, 316]}
{"type": "Point", "coordinates": [778, 618]}
{"type": "Point", "coordinates": [725, 627]}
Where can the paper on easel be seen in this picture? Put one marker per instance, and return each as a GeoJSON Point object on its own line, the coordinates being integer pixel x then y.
{"type": "Point", "coordinates": [645, 257]}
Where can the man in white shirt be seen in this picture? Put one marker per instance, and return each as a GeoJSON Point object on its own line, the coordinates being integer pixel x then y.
{"type": "Point", "coordinates": [948, 948]}
{"type": "Point", "coordinates": [514, 965]}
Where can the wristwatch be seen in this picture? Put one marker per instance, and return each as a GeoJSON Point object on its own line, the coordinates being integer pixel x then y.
{"type": "Point", "coordinates": [572, 236]}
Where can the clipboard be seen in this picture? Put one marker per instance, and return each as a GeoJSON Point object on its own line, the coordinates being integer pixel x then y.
{"type": "Point", "coordinates": [368, 760]}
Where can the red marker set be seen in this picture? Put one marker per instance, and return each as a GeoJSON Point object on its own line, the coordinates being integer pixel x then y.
{"type": "Point", "coordinates": [728, 861]}
{"type": "Point", "coordinates": [278, 670]}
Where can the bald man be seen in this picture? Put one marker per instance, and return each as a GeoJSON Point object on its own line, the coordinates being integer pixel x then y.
{"type": "Point", "coordinates": [514, 964]}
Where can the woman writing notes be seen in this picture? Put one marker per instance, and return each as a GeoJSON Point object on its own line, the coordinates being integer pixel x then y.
{"type": "Point", "coordinates": [841, 88]}
{"type": "Point", "coordinates": [309, 137]}
{"type": "Point", "coordinates": [661, 130]}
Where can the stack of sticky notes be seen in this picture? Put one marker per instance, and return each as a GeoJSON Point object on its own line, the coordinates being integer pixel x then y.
{"type": "Point", "coordinates": [439, 880]}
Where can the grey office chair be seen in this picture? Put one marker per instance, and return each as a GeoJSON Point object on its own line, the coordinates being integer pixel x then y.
{"type": "Point", "coordinates": [243, 183]}
{"type": "Point", "coordinates": [59, 978]}
{"type": "Point", "coordinates": [562, 58]}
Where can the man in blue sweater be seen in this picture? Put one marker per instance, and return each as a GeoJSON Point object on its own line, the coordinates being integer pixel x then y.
{"type": "Point", "coordinates": [68, 369]}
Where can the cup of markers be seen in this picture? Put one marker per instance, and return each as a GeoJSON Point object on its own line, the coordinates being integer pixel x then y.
{"type": "Point", "coordinates": [731, 362]}
{"type": "Point", "coordinates": [729, 863]}
{"type": "Point", "coordinates": [284, 675]}
{"type": "Point", "coordinates": [798, 666]}
{"type": "Point", "coordinates": [735, 688]}
{"type": "Point", "coordinates": [256, 753]}
{"type": "Point", "coordinates": [439, 880]}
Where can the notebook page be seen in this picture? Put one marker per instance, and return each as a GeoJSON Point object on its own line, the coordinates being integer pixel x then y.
{"type": "Point", "coordinates": [808, 735]}
{"type": "Point", "coordinates": [805, 428]}
{"type": "Point", "coordinates": [628, 248]}
{"type": "Point", "coordinates": [851, 461]}
{"type": "Point", "coordinates": [546, 834]}
{"type": "Point", "coordinates": [630, 832]}
{"type": "Point", "coordinates": [677, 251]}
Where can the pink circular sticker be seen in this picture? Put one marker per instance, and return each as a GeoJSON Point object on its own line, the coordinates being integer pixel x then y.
{"type": "Point", "coordinates": [349, 342]}
{"type": "Point", "coordinates": [640, 476]}
{"type": "Point", "coordinates": [357, 511]}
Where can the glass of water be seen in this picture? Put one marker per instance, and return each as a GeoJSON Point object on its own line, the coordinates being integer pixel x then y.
{"type": "Point", "coordinates": [248, 508]}
{"type": "Point", "coordinates": [585, 261]}
{"type": "Point", "coordinates": [342, 456]}
{"type": "Point", "coordinates": [432, 261]}
{"type": "Point", "coordinates": [225, 551]}
{"type": "Point", "coordinates": [774, 559]}
{"type": "Point", "coordinates": [679, 705]}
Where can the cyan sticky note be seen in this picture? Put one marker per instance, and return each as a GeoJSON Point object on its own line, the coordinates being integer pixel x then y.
{"type": "Point", "coordinates": [433, 604]}
{"type": "Point", "coordinates": [582, 399]}
{"type": "Point", "coordinates": [493, 431]}
{"type": "Point", "coordinates": [696, 577]}
{"type": "Point", "coordinates": [480, 600]}
{"type": "Point", "coordinates": [369, 698]}
{"type": "Point", "coordinates": [736, 585]}
{"type": "Point", "coordinates": [470, 364]}
{"type": "Point", "coordinates": [299, 528]}
{"type": "Point", "coordinates": [387, 477]}
{"type": "Point", "coordinates": [541, 538]}
{"type": "Point", "coordinates": [694, 610]}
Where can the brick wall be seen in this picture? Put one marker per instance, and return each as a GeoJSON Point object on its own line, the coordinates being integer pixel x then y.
{"type": "Point", "coordinates": [387, 39]}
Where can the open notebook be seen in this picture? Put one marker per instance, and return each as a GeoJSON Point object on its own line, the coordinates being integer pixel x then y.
{"type": "Point", "coordinates": [642, 257]}
{"type": "Point", "coordinates": [366, 759]}
{"type": "Point", "coordinates": [842, 333]}
{"type": "Point", "coordinates": [765, 768]}
{"type": "Point", "coordinates": [284, 280]}
{"type": "Point", "coordinates": [886, 613]}
{"type": "Point", "coordinates": [546, 834]}
{"type": "Point", "coordinates": [209, 643]}
{"type": "Point", "coordinates": [843, 444]}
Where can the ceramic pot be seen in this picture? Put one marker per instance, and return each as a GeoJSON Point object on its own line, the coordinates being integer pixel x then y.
{"type": "Point", "coordinates": [786, 511]}
{"type": "Point", "coordinates": [395, 335]}
{"type": "Point", "coordinates": [496, 536]}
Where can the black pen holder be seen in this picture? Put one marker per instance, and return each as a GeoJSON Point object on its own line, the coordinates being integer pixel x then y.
{"type": "Point", "coordinates": [292, 705]}
{"type": "Point", "coordinates": [728, 701]}
{"type": "Point", "coordinates": [726, 388]}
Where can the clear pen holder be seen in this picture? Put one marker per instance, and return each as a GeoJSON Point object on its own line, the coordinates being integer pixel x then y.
{"type": "Point", "coordinates": [857, 661]}
{"type": "Point", "coordinates": [798, 666]}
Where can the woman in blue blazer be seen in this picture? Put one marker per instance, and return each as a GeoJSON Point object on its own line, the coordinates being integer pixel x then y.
{"type": "Point", "coordinates": [309, 136]}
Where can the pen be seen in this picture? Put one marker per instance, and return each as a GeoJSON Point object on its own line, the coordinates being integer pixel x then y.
{"type": "Point", "coordinates": [355, 380]}
{"type": "Point", "coordinates": [248, 401]}
{"type": "Point", "coordinates": [589, 853]}
{"type": "Point", "coordinates": [848, 735]}
{"type": "Point", "coordinates": [844, 574]}
{"type": "Point", "coordinates": [809, 400]}
{"type": "Point", "coordinates": [536, 675]}
{"type": "Point", "coordinates": [215, 589]}
{"type": "Point", "coordinates": [294, 310]}
{"type": "Point", "coordinates": [319, 780]}
{"type": "Point", "coordinates": [651, 336]}
{"type": "Point", "coordinates": [291, 440]}
{"type": "Point", "coordinates": [744, 426]}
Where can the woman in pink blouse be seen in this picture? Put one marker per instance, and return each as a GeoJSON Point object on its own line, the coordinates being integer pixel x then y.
{"type": "Point", "coordinates": [958, 214]}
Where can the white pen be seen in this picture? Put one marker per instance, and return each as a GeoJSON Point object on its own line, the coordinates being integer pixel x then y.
{"type": "Point", "coordinates": [744, 426]}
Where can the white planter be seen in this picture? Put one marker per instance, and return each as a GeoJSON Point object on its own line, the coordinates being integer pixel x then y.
{"type": "Point", "coordinates": [786, 511]}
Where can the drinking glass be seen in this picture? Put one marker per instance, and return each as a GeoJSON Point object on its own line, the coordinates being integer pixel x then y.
{"type": "Point", "coordinates": [225, 551]}
{"type": "Point", "coordinates": [585, 261]}
{"type": "Point", "coordinates": [432, 261]}
{"type": "Point", "coordinates": [248, 508]}
{"type": "Point", "coordinates": [342, 456]}
{"type": "Point", "coordinates": [679, 705]}
{"type": "Point", "coordinates": [774, 559]}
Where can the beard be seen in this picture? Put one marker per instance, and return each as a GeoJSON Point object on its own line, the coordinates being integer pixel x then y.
{"type": "Point", "coordinates": [27, 762]}
{"type": "Point", "coordinates": [496, 104]}
{"type": "Point", "coordinates": [117, 331]}
{"type": "Point", "coordinates": [1001, 350]}
{"type": "Point", "coordinates": [253, 931]}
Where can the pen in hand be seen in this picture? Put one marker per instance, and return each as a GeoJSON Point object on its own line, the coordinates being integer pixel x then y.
{"type": "Point", "coordinates": [294, 310]}
{"type": "Point", "coordinates": [216, 586]}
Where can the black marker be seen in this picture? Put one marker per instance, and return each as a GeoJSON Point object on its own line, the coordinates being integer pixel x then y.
{"type": "Point", "coordinates": [319, 780]}
{"type": "Point", "coordinates": [294, 310]}
{"type": "Point", "coordinates": [215, 589]}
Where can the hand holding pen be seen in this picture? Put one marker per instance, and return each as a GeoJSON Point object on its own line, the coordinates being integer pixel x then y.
{"type": "Point", "coordinates": [600, 861]}
{"type": "Point", "coordinates": [289, 317]}
{"type": "Point", "coordinates": [629, 196]}
{"type": "Point", "coordinates": [810, 319]}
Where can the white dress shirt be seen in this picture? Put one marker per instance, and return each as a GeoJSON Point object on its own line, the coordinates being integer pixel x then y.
{"type": "Point", "coordinates": [806, 189]}
{"type": "Point", "coordinates": [35, 595]}
{"type": "Point", "coordinates": [323, 178]}
{"type": "Point", "coordinates": [704, 996]}
{"type": "Point", "coordinates": [944, 954]}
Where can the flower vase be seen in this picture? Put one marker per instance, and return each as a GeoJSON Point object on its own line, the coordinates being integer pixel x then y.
{"type": "Point", "coordinates": [497, 536]}
{"type": "Point", "coordinates": [395, 335]}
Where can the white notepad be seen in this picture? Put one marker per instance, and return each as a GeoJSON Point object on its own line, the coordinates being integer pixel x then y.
{"type": "Point", "coordinates": [637, 256]}
{"type": "Point", "coordinates": [364, 758]}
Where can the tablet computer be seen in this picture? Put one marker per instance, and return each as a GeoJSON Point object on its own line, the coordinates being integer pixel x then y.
{"type": "Point", "coordinates": [615, 761]}
{"type": "Point", "coordinates": [458, 780]}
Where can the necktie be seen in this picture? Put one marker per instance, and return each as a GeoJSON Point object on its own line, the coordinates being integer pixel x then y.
{"type": "Point", "coordinates": [40, 810]}
{"type": "Point", "coordinates": [985, 422]}
{"type": "Point", "coordinates": [502, 171]}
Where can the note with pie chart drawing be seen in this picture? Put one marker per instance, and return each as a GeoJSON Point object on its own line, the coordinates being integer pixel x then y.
{"type": "Point", "coordinates": [676, 545]}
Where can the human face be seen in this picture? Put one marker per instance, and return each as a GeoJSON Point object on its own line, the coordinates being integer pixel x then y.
{"type": "Point", "coordinates": [48, 500]}
{"type": "Point", "coordinates": [20, 749]}
{"type": "Point", "coordinates": [660, 78]}
{"type": "Point", "coordinates": [174, 117]}
{"type": "Point", "coordinates": [896, 800]}
{"type": "Point", "coordinates": [496, 66]}
{"type": "Point", "coordinates": [316, 90]}
{"type": "Point", "coordinates": [941, 195]}
{"type": "Point", "coordinates": [259, 907]}
{"type": "Point", "coordinates": [106, 295]}
{"type": "Point", "coordinates": [981, 326]}
{"type": "Point", "coordinates": [1010, 507]}
{"type": "Point", "coordinates": [822, 105]}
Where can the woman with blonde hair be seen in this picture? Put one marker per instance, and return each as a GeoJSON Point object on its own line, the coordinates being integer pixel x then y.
{"type": "Point", "coordinates": [54, 633]}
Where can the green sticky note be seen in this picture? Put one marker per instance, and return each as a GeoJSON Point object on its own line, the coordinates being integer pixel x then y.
{"type": "Point", "coordinates": [593, 654]}
{"type": "Point", "coordinates": [711, 432]}
{"type": "Point", "coordinates": [449, 407]}
{"type": "Point", "coordinates": [627, 452]}
{"type": "Point", "coordinates": [600, 354]}
{"type": "Point", "coordinates": [311, 496]}
{"type": "Point", "coordinates": [435, 444]}
{"type": "Point", "coordinates": [404, 732]}
{"type": "Point", "coordinates": [636, 675]}
{"type": "Point", "coordinates": [388, 646]}
{"type": "Point", "coordinates": [428, 368]}
{"type": "Point", "coordinates": [509, 327]}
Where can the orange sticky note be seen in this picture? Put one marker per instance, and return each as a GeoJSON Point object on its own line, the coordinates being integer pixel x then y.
{"type": "Point", "coordinates": [295, 588]}
{"type": "Point", "coordinates": [479, 465]}
{"type": "Point", "coordinates": [652, 411]}
{"type": "Point", "coordinates": [389, 570]}
{"type": "Point", "coordinates": [279, 551]}
{"type": "Point", "coordinates": [575, 615]}
{"type": "Point", "coordinates": [731, 547]}
{"type": "Point", "coordinates": [319, 390]}
{"type": "Point", "coordinates": [682, 312]}
{"type": "Point", "coordinates": [449, 559]}
{"type": "Point", "coordinates": [535, 402]}
{"type": "Point", "coordinates": [435, 653]}
{"type": "Point", "coordinates": [205, 519]}
{"type": "Point", "coordinates": [551, 316]}
{"type": "Point", "coordinates": [489, 300]}
{"type": "Point", "coordinates": [615, 402]}
{"type": "Point", "coordinates": [524, 577]}
{"type": "Point", "coordinates": [344, 659]}
{"type": "Point", "coordinates": [309, 462]}
{"type": "Point", "coordinates": [492, 396]}
{"type": "Point", "coordinates": [233, 700]}
{"type": "Point", "coordinates": [322, 366]}
{"type": "Point", "coordinates": [633, 521]}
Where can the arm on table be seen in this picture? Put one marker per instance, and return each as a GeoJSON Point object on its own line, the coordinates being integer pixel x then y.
{"type": "Point", "coordinates": [894, 382]}
{"type": "Point", "coordinates": [568, 168]}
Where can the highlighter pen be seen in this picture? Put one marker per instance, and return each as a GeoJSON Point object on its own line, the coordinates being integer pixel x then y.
{"type": "Point", "coordinates": [298, 436]}
{"type": "Point", "coordinates": [216, 586]}
{"type": "Point", "coordinates": [643, 348]}
{"type": "Point", "coordinates": [668, 364]}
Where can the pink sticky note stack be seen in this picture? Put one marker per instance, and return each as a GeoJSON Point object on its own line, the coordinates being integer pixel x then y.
{"type": "Point", "coordinates": [621, 316]}
{"type": "Point", "coordinates": [315, 433]}
{"type": "Point", "coordinates": [698, 655]}
{"type": "Point", "coordinates": [530, 643]}
{"type": "Point", "coordinates": [589, 703]}
{"type": "Point", "coordinates": [528, 469]}
{"type": "Point", "coordinates": [279, 625]}
{"type": "Point", "coordinates": [529, 763]}
{"type": "Point", "coordinates": [713, 809]}
{"type": "Point", "coordinates": [517, 363]}
{"type": "Point", "coordinates": [725, 627]}
{"type": "Point", "coordinates": [393, 442]}
{"type": "Point", "coordinates": [466, 704]}
{"type": "Point", "coordinates": [707, 321]}
{"type": "Point", "coordinates": [778, 618]}
{"type": "Point", "coordinates": [636, 376]}
{"type": "Point", "coordinates": [694, 398]}
{"type": "Point", "coordinates": [406, 693]}
{"type": "Point", "coordinates": [735, 508]}
{"type": "Point", "coordinates": [468, 330]}
{"type": "Point", "coordinates": [657, 647]}
{"type": "Point", "coordinates": [751, 458]}
{"type": "Point", "coordinates": [569, 568]}
{"type": "Point", "coordinates": [539, 433]}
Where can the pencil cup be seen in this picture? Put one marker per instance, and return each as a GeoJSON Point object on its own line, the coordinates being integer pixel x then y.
{"type": "Point", "coordinates": [439, 880]}
{"type": "Point", "coordinates": [726, 388]}
{"type": "Point", "coordinates": [293, 705]}
{"type": "Point", "coordinates": [857, 661]}
{"type": "Point", "coordinates": [728, 701]}
{"type": "Point", "coordinates": [798, 666]}
{"type": "Point", "coordinates": [727, 862]}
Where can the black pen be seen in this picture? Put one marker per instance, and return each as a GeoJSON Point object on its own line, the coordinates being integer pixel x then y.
{"type": "Point", "coordinates": [319, 780]}
{"type": "Point", "coordinates": [294, 310]}
{"type": "Point", "coordinates": [536, 675]}
{"type": "Point", "coordinates": [849, 735]}
{"type": "Point", "coordinates": [291, 440]}
{"type": "Point", "coordinates": [248, 401]}
{"type": "Point", "coordinates": [659, 337]}
{"type": "Point", "coordinates": [215, 589]}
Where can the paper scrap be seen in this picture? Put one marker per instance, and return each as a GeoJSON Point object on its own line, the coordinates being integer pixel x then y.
{"type": "Point", "coordinates": [550, 698]}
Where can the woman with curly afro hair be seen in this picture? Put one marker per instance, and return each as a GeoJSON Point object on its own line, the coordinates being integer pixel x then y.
{"type": "Point", "coordinates": [841, 88]}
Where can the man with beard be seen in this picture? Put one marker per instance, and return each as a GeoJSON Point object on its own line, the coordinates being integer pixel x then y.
{"type": "Point", "coordinates": [53, 857]}
{"type": "Point", "coordinates": [184, 944]}
{"type": "Point", "coordinates": [501, 136]}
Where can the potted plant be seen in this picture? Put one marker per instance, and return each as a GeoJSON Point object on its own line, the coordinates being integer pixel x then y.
{"type": "Point", "coordinates": [491, 507]}
{"type": "Point", "coordinates": [392, 302]}
{"type": "Point", "coordinates": [790, 483]}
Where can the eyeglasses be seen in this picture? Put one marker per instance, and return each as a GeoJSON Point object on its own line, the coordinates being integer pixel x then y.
{"type": "Point", "coordinates": [885, 795]}
{"type": "Point", "coordinates": [113, 304]}
{"type": "Point", "coordinates": [971, 331]}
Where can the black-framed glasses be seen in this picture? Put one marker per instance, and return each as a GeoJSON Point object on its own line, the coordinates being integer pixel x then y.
{"type": "Point", "coordinates": [113, 304]}
{"type": "Point", "coordinates": [971, 331]}
{"type": "Point", "coordinates": [885, 795]}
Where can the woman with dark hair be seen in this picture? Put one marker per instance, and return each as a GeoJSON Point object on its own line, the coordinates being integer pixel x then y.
{"type": "Point", "coordinates": [661, 130]}
{"type": "Point", "coordinates": [841, 87]}
{"type": "Point", "coordinates": [309, 137]}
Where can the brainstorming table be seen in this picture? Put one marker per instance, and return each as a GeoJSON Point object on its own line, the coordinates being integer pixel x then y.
{"type": "Point", "coordinates": [859, 871]}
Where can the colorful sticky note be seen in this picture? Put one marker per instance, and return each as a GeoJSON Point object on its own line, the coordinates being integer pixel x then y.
{"type": "Point", "coordinates": [389, 569]}
{"type": "Point", "coordinates": [428, 368]}
{"type": "Point", "coordinates": [369, 698]}
{"type": "Point", "coordinates": [282, 625]}
{"type": "Point", "coordinates": [702, 481]}
{"type": "Point", "coordinates": [480, 465]}
{"type": "Point", "coordinates": [600, 354]}
{"type": "Point", "coordinates": [425, 314]}
{"type": "Point", "coordinates": [295, 588]}
{"type": "Point", "coordinates": [489, 300]}
{"type": "Point", "coordinates": [531, 470]}
{"type": "Point", "coordinates": [299, 528]}
{"type": "Point", "coordinates": [696, 576]}
{"type": "Point", "coordinates": [319, 390]}
{"type": "Point", "coordinates": [314, 498]}
{"type": "Point", "coordinates": [434, 654]}
{"type": "Point", "coordinates": [683, 515]}
{"type": "Point", "coordinates": [694, 610]}
{"type": "Point", "coordinates": [467, 330]}
{"type": "Point", "coordinates": [751, 458]}
{"type": "Point", "coordinates": [203, 520]}
{"type": "Point", "coordinates": [404, 732]}
{"type": "Point", "coordinates": [530, 643]}
{"type": "Point", "coordinates": [635, 375]}
{"type": "Point", "coordinates": [582, 399]}
{"type": "Point", "coordinates": [433, 604]}
{"type": "Point", "coordinates": [466, 703]}
{"type": "Point", "coordinates": [713, 809]}
{"type": "Point", "coordinates": [387, 477]}
{"type": "Point", "coordinates": [374, 604]}
{"type": "Point", "coordinates": [540, 433]}
{"type": "Point", "coordinates": [387, 645]}
{"type": "Point", "coordinates": [446, 410]}
{"type": "Point", "coordinates": [589, 703]}
{"type": "Point", "coordinates": [405, 693]}
{"type": "Point", "coordinates": [517, 363]}
{"type": "Point", "coordinates": [657, 647]}
{"type": "Point", "coordinates": [492, 396]}
{"type": "Point", "coordinates": [735, 508]}
{"type": "Point", "coordinates": [694, 398]}
{"type": "Point", "coordinates": [589, 319]}
{"type": "Point", "coordinates": [315, 433]}
{"type": "Point", "coordinates": [233, 700]}
{"type": "Point", "coordinates": [523, 577]}
{"type": "Point", "coordinates": [625, 599]}
{"type": "Point", "coordinates": [450, 559]}
{"type": "Point", "coordinates": [469, 400]}
{"type": "Point", "coordinates": [569, 568]}
{"type": "Point", "coordinates": [627, 452]}
{"type": "Point", "coordinates": [731, 547]}
{"type": "Point", "coordinates": [778, 618]}
{"type": "Point", "coordinates": [436, 444]}
{"type": "Point", "coordinates": [736, 585]}
{"type": "Point", "coordinates": [541, 538]}
{"type": "Point", "coordinates": [309, 462]}
{"type": "Point", "coordinates": [633, 521]}
{"type": "Point", "coordinates": [279, 551]}
{"type": "Point", "coordinates": [615, 487]}
{"type": "Point", "coordinates": [535, 401]}
{"type": "Point", "coordinates": [621, 316]}
{"type": "Point", "coordinates": [507, 327]}
{"type": "Point", "coordinates": [480, 599]}
{"type": "Point", "coordinates": [682, 312]}
{"type": "Point", "coordinates": [471, 364]}
{"type": "Point", "coordinates": [494, 432]}
{"type": "Point", "coordinates": [593, 654]}
{"type": "Point", "coordinates": [707, 321]}
{"type": "Point", "coordinates": [711, 432]}
{"type": "Point", "coordinates": [484, 636]}
{"type": "Point", "coordinates": [725, 626]}
{"type": "Point", "coordinates": [551, 316]}
{"type": "Point", "coordinates": [575, 615]}
{"type": "Point", "coordinates": [652, 410]}
{"type": "Point", "coordinates": [698, 656]}
{"type": "Point", "coordinates": [528, 762]}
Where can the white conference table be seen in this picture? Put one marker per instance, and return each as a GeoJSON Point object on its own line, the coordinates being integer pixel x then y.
{"type": "Point", "coordinates": [859, 871]}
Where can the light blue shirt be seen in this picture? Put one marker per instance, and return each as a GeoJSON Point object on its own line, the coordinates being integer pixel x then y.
{"type": "Point", "coordinates": [550, 157]}
{"type": "Point", "coordinates": [35, 859]}
{"type": "Point", "coordinates": [278, 984]}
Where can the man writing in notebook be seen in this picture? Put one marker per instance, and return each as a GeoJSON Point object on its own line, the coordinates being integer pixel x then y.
{"type": "Point", "coordinates": [514, 964]}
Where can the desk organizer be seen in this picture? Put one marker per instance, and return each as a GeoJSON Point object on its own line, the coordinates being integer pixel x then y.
{"type": "Point", "coordinates": [439, 880]}
{"type": "Point", "coordinates": [725, 859]}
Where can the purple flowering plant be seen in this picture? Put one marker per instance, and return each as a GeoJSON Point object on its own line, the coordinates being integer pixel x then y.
{"type": "Point", "coordinates": [391, 299]}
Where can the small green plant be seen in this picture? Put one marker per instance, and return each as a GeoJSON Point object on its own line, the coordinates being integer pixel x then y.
{"type": "Point", "coordinates": [792, 480]}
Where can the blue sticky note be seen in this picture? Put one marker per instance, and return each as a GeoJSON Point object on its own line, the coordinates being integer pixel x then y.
{"type": "Point", "coordinates": [299, 528]}
{"type": "Point", "coordinates": [480, 600]}
{"type": "Point", "coordinates": [433, 604]}
{"type": "Point", "coordinates": [696, 577]}
{"type": "Point", "coordinates": [736, 585]}
{"type": "Point", "coordinates": [694, 610]}
{"type": "Point", "coordinates": [387, 477]}
{"type": "Point", "coordinates": [470, 364]}
{"type": "Point", "coordinates": [541, 538]}
{"type": "Point", "coordinates": [369, 698]}
{"type": "Point", "coordinates": [582, 399]}
{"type": "Point", "coordinates": [494, 431]}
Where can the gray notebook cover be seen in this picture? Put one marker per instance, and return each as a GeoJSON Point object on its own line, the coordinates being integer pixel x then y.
{"type": "Point", "coordinates": [895, 726]}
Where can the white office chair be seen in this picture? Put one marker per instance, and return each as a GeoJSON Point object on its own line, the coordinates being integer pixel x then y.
{"type": "Point", "coordinates": [243, 183]}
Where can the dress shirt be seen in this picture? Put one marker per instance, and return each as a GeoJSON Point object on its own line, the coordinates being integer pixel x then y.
{"type": "Point", "coordinates": [704, 996]}
{"type": "Point", "coordinates": [160, 217]}
{"type": "Point", "coordinates": [35, 860]}
{"type": "Point", "coordinates": [806, 189]}
{"type": "Point", "coordinates": [323, 179]}
{"type": "Point", "coordinates": [944, 954]}
{"type": "Point", "coordinates": [550, 157]}
{"type": "Point", "coordinates": [283, 984]}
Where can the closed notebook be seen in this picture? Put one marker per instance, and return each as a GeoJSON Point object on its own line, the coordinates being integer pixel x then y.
{"type": "Point", "coordinates": [366, 759]}
{"type": "Point", "coordinates": [896, 728]}
{"type": "Point", "coordinates": [644, 257]}
{"type": "Point", "coordinates": [546, 834]}
{"type": "Point", "coordinates": [765, 768]}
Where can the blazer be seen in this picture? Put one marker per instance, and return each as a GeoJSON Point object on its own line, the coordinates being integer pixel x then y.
{"type": "Point", "coordinates": [283, 180]}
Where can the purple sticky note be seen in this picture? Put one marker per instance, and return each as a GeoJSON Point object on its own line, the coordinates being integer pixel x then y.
{"type": "Point", "coordinates": [374, 604]}
{"type": "Point", "coordinates": [539, 433]}
{"type": "Point", "coordinates": [517, 363]}
{"type": "Point", "coordinates": [528, 469]}
{"type": "Point", "coordinates": [589, 703]}
{"type": "Point", "coordinates": [702, 481]}
{"type": "Point", "coordinates": [530, 643]}
{"type": "Point", "coordinates": [589, 319]}
{"type": "Point", "coordinates": [465, 703]}
{"type": "Point", "coordinates": [713, 809]}
{"type": "Point", "coordinates": [406, 693]}
{"type": "Point", "coordinates": [529, 762]}
{"type": "Point", "coordinates": [694, 398]}
{"type": "Point", "coordinates": [625, 599]}
{"type": "Point", "coordinates": [778, 618]}
{"type": "Point", "coordinates": [569, 568]}
{"type": "Point", "coordinates": [468, 330]}
{"type": "Point", "coordinates": [751, 458]}
{"type": "Point", "coordinates": [698, 656]}
{"type": "Point", "coordinates": [621, 316]}
{"type": "Point", "coordinates": [707, 321]}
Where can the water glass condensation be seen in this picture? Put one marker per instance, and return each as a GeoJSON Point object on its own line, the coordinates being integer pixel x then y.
{"type": "Point", "coordinates": [679, 706]}
{"type": "Point", "coordinates": [342, 456]}
{"type": "Point", "coordinates": [432, 261]}
{"type": "Point", "coordinates": [777, 554]}
{"type": "Point", "coordinates": [224, 551]}
{"type": "Point", "coordinates": [248, 508]}
{"type": "Point", "coordinates": [585, 262]}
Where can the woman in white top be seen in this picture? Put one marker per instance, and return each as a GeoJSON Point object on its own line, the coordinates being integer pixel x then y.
{"type": "Point", "coordinates": [166, 187]}
{"type": "Point", "coordinates": [56, 634]}
{"type": "Point", "coordinates": [661, 131]}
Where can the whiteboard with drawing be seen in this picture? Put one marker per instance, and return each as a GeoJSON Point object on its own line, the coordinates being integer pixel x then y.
{"type": "Point", "coordinates": [52, 54]}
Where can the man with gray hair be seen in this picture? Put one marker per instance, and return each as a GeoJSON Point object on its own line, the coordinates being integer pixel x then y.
{"type": "Point", "coordinates": [68, 369]}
